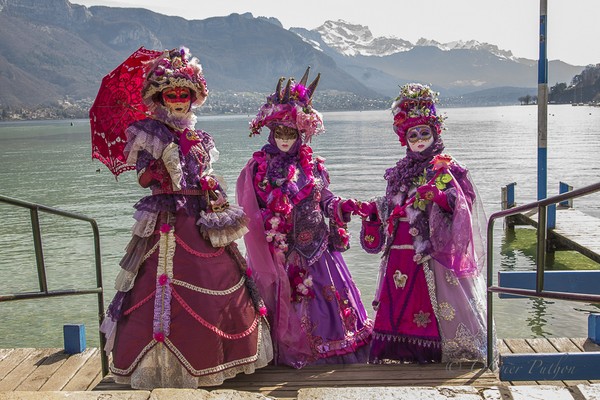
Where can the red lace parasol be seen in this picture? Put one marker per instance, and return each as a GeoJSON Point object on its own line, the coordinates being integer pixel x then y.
{"type": "Point", "coordinates": [118, 104]}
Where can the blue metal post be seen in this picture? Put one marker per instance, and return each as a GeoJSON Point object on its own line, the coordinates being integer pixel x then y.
{"type": "Point", "coordinates": [510, 195]}
{"type": "Point", "coordinates": [543, 113]}
{"type": "Point", "coordinates": [564, 188]}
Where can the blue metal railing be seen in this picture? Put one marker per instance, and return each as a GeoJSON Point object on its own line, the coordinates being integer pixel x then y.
{"type": "Point", "coordinates": [44, 292]}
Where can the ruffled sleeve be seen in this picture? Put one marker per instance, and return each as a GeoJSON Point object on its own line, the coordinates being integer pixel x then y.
{"type": "Point", "coordinates": [146, 140]}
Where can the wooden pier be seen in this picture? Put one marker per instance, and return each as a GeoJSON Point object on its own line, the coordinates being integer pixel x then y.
{"type": "Point", "coordinates": [574, 231]}
{"type": "Point", "coordinates": [27, 369]}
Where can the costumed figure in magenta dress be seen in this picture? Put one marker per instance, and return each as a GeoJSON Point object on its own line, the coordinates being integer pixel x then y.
{"type": "Point", "coordinates": [297, 231]}
{"type": "Point", "coordinates": [186, 313]}
{"type": "Point", "coordinates": [431, 293]}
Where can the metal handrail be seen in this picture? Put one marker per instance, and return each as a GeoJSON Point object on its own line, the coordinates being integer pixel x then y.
{"type": "Point", "coordinates": [542, 206]}
{"type": "Point", "coordinates": [44, 292]}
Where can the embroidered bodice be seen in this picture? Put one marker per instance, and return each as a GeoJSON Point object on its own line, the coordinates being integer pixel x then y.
{"type": "Point", "coordinates": [311, 203]}
{"type": "Point", "coordinates": [147, 140]}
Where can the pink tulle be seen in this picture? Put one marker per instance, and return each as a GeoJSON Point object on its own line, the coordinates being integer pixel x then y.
{"type": "Point", "coordinates": [271, 278]}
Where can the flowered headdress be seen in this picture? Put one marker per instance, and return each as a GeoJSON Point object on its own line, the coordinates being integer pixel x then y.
{"type": "Point", "coordinates": [415, 105]}
{"type": "Point", "coordinates": [175, 68]}
{"type": "Point", "coordinates": [291, 107]}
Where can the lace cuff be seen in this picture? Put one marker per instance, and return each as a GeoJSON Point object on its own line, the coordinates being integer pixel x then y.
{"type": "Point", "coordinates": [170, 157]}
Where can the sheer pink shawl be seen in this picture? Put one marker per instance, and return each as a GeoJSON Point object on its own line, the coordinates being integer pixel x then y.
{"type": "Point", "coordinates": [290, 343]}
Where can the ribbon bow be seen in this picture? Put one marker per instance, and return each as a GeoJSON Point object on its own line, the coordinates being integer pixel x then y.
{"type": "Point", "coordinates": [187, 139]}
{"type": "Point", "coordinates": [398, 212]}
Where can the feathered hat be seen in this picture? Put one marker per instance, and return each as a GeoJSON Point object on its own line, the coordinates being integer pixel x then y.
{"type": "Point", "coordinates": [415, 105]}
{"type": "Point", "coordinates": [175, 68]}
{"type": "Point", "coordinates": [292, 107]}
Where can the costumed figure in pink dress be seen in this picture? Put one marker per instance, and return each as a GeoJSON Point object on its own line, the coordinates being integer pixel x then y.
{"type": "Point", "coordinates": [186, 312]}
{"type": "Point", "coordinates": [314, 307]}
{"type": "Point", "coordinates": [430, 296]}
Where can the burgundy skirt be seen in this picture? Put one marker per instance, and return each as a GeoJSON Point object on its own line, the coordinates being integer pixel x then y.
{"type": "Point", "coordinates": [191, 298]}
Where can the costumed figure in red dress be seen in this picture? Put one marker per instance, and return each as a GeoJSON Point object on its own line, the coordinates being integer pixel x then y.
{"type": "Point", "coordinates": [430, 295]}
{"type": "Point", "coordinates": [315, 310]}
{"type": "Point", "coordinates": [186, 312]}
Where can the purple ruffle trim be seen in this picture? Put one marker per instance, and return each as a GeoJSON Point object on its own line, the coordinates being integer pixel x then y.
{"type": "Point", "coordinates": [233, 216]}
{"type": "Point", "coordinates": [134, 254]}
{"type": "Point", "coordinates": [172, 203]}
{"type": "Point", "coordinates": [115, 308]}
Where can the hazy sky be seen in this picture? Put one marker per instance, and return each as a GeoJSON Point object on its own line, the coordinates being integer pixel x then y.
{"type": "Point", "coordinates": [512, 25]}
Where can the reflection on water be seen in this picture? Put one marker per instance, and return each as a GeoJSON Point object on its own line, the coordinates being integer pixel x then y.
{"type": "Point", "coordinates": [50, 163]}
{"type": "Point", "coordinates": [537, 317]}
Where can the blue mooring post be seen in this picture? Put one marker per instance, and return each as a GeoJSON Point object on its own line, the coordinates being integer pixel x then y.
{"type": "Point", "coordinates": [564, 188]}
{"type": "Point", "coordinates": [543, 115]}
{"type": "Point", "coordinates": [594, 327]}
{"type": "Point", "coordinates": [510, 195]}
{"type": "Point", "coordinates": [74, 338]}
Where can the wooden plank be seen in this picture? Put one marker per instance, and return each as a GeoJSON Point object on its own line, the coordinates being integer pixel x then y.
{"type": "Point", "coordinates": [67, 370]}
{"type": "Point", "coordinates": [585, 344]}
{"type": "Point", "coordinates": [542, 345]}
{"type": "Point", "coordinates": [284, 382]}
{"type": "Point", "coordinates": [108, 383]}
{"type": "Point", "coordinates": [44, 371]}
{"type": "Point", "coordinates": [24, 369]}
{"type": "Point", "coordinates": [13, 360]}
{"type": "Point", "coordinates": [516, 346]}
{"type": "Point", "coordinates": [569, 345]}
{"type": "Point", "coordinates": [87, 374]}
{"type": "Point", "coordinates": [574, 230]}
{"type": "Point", "coordinates": [5, 353]}
{"type": "Point", "coordinates": [504, 349]}
{"type": "Point", "coordinates": [564, 345]}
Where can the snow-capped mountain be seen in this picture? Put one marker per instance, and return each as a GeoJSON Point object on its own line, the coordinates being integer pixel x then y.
{"type": "Point", "coordinates": [350, 39]}
{"type": "Point", "coordinates": [353, 39]}
{"type": "Point", "coordinates": [468, 45]}
{"type": "Point", "coordinates": [383, 63]}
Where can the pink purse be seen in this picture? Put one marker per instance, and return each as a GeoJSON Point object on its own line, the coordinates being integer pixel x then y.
{"type": "Point", "coordinates": [371, 235]}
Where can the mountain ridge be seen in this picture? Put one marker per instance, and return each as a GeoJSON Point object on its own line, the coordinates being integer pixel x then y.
{"type": "Point", "coordinates": [53, 51]}
{"type": "Point", "coordinates": [468, 65]}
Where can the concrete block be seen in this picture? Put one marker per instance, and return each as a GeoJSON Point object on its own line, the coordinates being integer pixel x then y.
{"type": "Point", "coordinates": [100, 395]}
{"type": "Point", "coordinates": [228, 394]}
{"type": "Point", "coordinates": [390, 393]}
{"type": "Point", "coordinates": [541, 392]}
{"type": "Point", "coordinates": [180, 394]}
{"type": "Point", "coordinates": [74, 338]}
{"type": "Point", "coordinates": [201, 394]}
{"type": "Point", "coordinates": [589, 392]}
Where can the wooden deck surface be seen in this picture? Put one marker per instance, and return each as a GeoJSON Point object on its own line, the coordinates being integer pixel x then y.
{"type": "Point", "coordinates": [51, 370]}
{"type": "Point", "coordinates": [574, 230]}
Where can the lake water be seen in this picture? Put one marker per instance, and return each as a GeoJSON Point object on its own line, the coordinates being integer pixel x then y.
{"type": "Point", "coordinates": [50, 163]}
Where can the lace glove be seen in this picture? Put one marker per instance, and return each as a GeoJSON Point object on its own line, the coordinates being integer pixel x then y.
{"type": "Point", "coordinates": [155, 172]}
{"type": "Point", "coordinates": [170, 157]}
{"type": "Point", "coordinates": [365, 209]}
{"type": "Point", "coordinates": [349, 206]}
{"type": "Point", "coordinates": [431, 193]}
